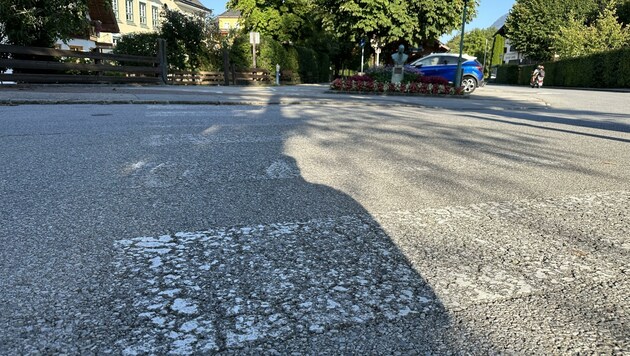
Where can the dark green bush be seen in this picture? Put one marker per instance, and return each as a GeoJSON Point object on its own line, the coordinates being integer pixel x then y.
{"type": "Point", "coordinates": [384, 74]}
{"type": "Point", "coordinates": [139, 44]}
{"type": "Point", "coordinates": [271, 53]}
{"type": "Point", "coordinates": [241, 52]}
{"type": "Point", "coordinates": [508, 74]}
{"type": "Point", "coordinates": [601, 70]}
{"type": "Point", "coordinates": [323, 65]}
{"type": "Point", "coordinates": [308, 64]}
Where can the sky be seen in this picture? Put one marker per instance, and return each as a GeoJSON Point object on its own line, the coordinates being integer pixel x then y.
{"type": "Point", "coordinates": [487, 12]}
{"type": "Point", "coordinates": [217, 6]}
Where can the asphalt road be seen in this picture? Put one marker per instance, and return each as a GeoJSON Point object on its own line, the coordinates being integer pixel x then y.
{"type": "Point", "coordinates": [495, 224]}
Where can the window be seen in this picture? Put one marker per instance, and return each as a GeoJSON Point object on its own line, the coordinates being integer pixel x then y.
{"type": "Point", "coordinates": [154, 15]}
{"type": "Point", "coordinates": [431, 61]}
{"type": "Point", "coordinates": [143, 13]}
{"type": "Point", "coordinates": [129, 8]}
{"type": "Point", "coordinates": [450, 60]}
{"type": "Point", "coordinates": [115, 8]}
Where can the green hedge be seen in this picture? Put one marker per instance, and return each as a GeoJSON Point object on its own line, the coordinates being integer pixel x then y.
{"type": "Point", "coordinates": [507, 74]}
{"type": "Point", "coordinates": [310, 66]}
{"type": "Point", "coordinates": [601, 70]}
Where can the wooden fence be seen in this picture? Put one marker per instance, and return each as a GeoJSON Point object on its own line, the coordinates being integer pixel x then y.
{"type": "Point", "coordinates": [249, 76]}
{"type": "Point", "coordinates": [47, 65]}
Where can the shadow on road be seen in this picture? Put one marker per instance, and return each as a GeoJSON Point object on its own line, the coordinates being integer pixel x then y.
{"type": "Point", "coordinates": [248, 229]}
{"type": "Point", "coordinates": [258, 258]}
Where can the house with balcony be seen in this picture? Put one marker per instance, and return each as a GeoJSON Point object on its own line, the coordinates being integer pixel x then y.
{"type": "Point", "coordinates": [102, 20]}
{"type": "Point", "coordinates": [135, 16]}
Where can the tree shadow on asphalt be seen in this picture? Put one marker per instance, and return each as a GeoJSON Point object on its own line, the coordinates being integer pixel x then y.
{"type": "Point", "coordinates": [266, 233]}
{"type": "Point", "coordinates": [297, 257]}
{"type": "Point", "coordinates": [549, 117]}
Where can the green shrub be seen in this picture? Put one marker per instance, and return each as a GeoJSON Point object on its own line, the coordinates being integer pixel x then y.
{"type": "Point", "coordinates": [292, 61]}
{"type": "Point", "coordinates": [384, 74]}
{"type": "Point", "coordinates": [271, 53]}
{"type": "Point", "coordinates": [241, 52]}
{"type": "Point", "coordinates": [601, 70]}
{"type": "Point", "coordinates": [508, 74]}
{"type": "Point", "coordinates": [139, 44]}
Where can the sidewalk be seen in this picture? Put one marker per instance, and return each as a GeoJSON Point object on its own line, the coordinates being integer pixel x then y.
{"type": "Point", "coordinates": [315, 94]}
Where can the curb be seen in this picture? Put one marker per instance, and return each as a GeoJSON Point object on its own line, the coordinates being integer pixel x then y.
{"type": "Point", "coordinates": [368, 93]}
{"type": "Point", "coordinates": [20, 102]}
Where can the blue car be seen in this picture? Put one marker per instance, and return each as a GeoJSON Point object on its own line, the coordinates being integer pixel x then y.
{"type": "Point", "coordinates": [445, 65]}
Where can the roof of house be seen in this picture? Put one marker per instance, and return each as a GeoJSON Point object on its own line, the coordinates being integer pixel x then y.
{"type": "Point", "coordinates": [194, 3]}
{"type": "Point", "coordinates": [99, 11]}
{"type": "Point", "coordinates": [231, 13]}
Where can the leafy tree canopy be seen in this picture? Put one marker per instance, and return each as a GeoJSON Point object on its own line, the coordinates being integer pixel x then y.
{"type": "Point", "coordinates": [42, 22]}
{"type": "Point", "coordinates": [190, 41]}
{"type": "Point", "coordinates": [283, 20]}
{"type": "Point", "coordinates": [532, 24]}
{"type": "Point", "coordinates": [477, 42]}
{"type": "Point", "coordinates": [186, 38]}
{"type": "Point", "coordinates": [606, 33]}
{"type": "Point", "coordinates": [406, 20]}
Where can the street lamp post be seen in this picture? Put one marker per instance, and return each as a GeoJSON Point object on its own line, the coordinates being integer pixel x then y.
{"type": "Point", "coordinates": [362, 43]}
{"type": "Point", "coordinates": [458, 75]}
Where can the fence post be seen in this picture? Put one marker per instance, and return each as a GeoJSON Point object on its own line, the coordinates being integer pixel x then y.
{"type": "Point", "coordinates": [162, 60]}
{"type": "Point", "coordinates": [226, 65]}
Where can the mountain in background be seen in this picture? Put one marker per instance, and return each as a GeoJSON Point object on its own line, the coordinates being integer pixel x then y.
{"type": "Point", "coordinates": [500, 22]}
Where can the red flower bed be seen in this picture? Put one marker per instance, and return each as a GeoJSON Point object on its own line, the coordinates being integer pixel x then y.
{"type": "Point", "coordinates": [427, 86]}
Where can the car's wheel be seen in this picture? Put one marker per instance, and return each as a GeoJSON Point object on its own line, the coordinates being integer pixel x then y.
{"type": "Point", "coordinates": [469, 83]}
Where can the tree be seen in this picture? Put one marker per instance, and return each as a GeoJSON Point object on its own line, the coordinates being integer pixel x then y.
{"type": "Point", "coordinates": [397, 20]}
{"type": "Point", "coordinates": [189, 41]}
{"type": "Point", "coordinates": [532, 25]}
{"type": "Point", "coordinates": [186, 38]}
{"type": "Point", "coordinates": [411, 21]}
{"type": "Point", "coordinates": [477, 42]}
{"type": "Point", "coordinates": [498, 43]}
{"type": "Point", "coordinates": [42, 22]}
{"type": "Point", "coordinates": [604, 34]}
{"type": "Point", "coordinates": [284, 21]}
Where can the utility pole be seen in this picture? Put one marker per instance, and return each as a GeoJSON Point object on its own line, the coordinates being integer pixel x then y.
{"type": "Point", "coordinates": [458, 75]}
{"type": "Point", "coordinates": [254, 39]}
{"type": "Point", "coordinates": [362, 43]}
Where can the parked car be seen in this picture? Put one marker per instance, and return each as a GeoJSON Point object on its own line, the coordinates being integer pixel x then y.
{"type": "Point", "coordinates": [445, 65]}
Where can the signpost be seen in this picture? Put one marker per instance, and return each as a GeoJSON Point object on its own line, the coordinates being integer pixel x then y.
{"type": "Point", "coordinates": [254, 39]}
{"type": "Point", "coordinates": [377, 49]}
